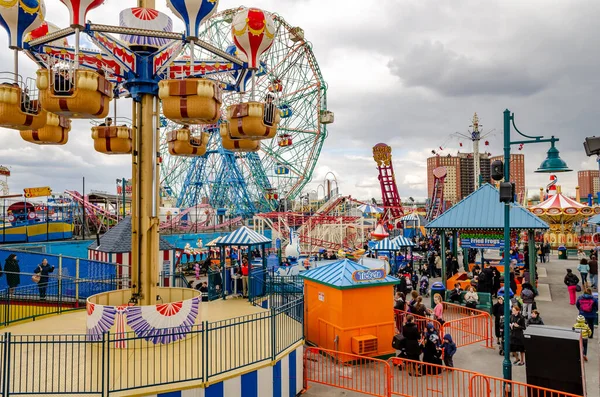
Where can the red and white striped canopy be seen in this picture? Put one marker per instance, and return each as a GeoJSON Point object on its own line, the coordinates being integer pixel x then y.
{"type": "Point", "coordinates": [561, 209]}
{"type": "Point", "coordinates": [559, 201]}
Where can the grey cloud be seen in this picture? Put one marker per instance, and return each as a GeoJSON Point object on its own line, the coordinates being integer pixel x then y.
{"type": "Point", "coordinates": [432, 65]}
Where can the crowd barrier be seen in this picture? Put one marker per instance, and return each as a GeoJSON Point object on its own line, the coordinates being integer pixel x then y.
{"type": "Point", "coordinates": [467, 326]}
{"type": "Point", "coordinates": [400, 377]}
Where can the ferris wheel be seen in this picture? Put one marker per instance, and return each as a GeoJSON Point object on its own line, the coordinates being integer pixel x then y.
{"type": "Point", "coordinates": [249, 181]}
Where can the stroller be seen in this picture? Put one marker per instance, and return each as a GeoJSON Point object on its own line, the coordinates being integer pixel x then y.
{"type": "Point", "coordinates": [424, 286]}
{"type": "Point", "coordinates": [501, 337]}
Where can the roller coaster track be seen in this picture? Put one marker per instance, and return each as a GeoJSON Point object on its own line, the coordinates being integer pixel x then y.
{"type": "Point", "coordinates": [98, 216]}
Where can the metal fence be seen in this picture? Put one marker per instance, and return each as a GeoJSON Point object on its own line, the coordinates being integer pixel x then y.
{"type": "Point", "coordinates": [76, 364]}
{"type": "Point", "coordinates": [400, 377]}
{"type": "Point", "coordinates": [57, 296]}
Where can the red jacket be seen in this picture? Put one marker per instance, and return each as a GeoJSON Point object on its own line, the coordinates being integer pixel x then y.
{"type": "Point", "coordinates": [244, 269]}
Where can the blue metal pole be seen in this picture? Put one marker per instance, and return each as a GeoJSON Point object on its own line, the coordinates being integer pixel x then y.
{"type": "Point", "coordinates": [506, 364]}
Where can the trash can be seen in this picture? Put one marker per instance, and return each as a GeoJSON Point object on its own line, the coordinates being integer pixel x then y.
{"type": "Point", "coordinates": [437, 288]}
{"type": "Point", "coordinates": [562, 252]}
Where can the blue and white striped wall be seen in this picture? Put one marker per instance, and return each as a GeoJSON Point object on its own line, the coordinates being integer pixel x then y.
{"type": "Point", "coordinates": [283, 379]}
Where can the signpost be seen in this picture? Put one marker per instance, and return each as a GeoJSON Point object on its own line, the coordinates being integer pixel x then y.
{"type": "Point", "coordinates": [42, 191]}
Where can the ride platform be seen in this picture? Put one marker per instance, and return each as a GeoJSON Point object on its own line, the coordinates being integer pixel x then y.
{"type": "Point", "coordinates": [233, 337]}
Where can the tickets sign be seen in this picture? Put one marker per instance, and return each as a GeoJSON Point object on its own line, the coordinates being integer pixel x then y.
{"type": "Point", "coordinates": [42, 191]}
{"type": "Point", "coordinates": [368, 275]}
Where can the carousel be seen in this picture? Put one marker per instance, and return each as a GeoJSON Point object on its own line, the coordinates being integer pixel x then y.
{"type": "Point", "coordinates": [562, 213]}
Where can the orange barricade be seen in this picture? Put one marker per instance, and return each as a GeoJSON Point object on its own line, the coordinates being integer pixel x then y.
{"type": "Point", "coordinates": [436, 380]}
{"type": "Point", "coordinates": [346, 371]}
{"type": "Point", "coordinates": [400, 377]}
{"type": "Point", "coordinates": [467, 326]}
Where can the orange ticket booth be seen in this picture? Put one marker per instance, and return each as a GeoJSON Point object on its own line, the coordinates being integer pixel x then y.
{"type": "Point", "coordinates": [348, 307]}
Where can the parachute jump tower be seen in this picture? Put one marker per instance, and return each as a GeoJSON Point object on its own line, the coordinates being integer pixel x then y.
{"type": "Point", "coordinates": [382, 154]}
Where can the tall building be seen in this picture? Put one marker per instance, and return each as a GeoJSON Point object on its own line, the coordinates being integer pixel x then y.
{"type": "Point", "coordinates": [467, 172]}
{"type": "Point", "coordinates": [517, 173]}
{"type": "Point", "coordinates": [460, 179]}
{"type": "Point", "coordinates": [452, 185]}
{"type": "Point", "coordinates": [589, 182]}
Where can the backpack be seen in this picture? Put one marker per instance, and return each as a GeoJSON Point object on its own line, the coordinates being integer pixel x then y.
{"type": "Point", "coordinates": [586, 305]}
{"type": "Point", "coordinates": [398, 342]}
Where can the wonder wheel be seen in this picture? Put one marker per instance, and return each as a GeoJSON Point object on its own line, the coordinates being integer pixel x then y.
{"type": "Point", "coordinates": [251, 179]}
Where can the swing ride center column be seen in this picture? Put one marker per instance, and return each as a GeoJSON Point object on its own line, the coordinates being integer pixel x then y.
{"type": "Point", "coordinates": [144, 220]}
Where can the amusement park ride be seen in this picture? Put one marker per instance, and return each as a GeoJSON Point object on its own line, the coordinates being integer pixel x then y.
{"type": "Point", "coordinates": [223, 103]}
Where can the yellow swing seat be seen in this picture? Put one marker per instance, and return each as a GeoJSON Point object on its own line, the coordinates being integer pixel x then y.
{"type": "Point", "coordinates": [182, 143]}
{"type": "Point", "coordinates": [55, 132]}
{"type": "Point", "coordinates": [88, 98]}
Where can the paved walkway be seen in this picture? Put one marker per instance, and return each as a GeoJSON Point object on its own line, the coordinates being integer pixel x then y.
{"type": "Point", "coordinates": [555, 310]}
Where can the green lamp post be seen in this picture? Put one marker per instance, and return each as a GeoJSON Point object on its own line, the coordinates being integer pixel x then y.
{"type": "Point", "coordinates": [552, 164]}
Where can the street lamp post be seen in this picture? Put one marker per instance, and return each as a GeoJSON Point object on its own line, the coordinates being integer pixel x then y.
{"type": "Point", "coordinates": [552, 164]}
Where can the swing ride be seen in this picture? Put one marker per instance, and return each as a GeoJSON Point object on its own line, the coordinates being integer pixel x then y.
{"type": "Point", "coordinates": [220, 93]}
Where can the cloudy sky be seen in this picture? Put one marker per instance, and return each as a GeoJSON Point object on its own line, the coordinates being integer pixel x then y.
{"type": "Point", "coordinates": [408, 73]}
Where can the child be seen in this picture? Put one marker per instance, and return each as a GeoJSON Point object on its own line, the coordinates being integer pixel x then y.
{"type": "Point", "coordinates": [535, 318]}
{"type": "Point", "coordinates": [582, 327]}
{"type": "Point", "coordinates": [449, 350]}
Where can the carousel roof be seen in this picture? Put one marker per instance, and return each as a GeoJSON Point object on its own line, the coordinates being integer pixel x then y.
{"type": "Point", "coordinates": [559, 208]}
{"type": "Point", "coordinates": [559, 201]}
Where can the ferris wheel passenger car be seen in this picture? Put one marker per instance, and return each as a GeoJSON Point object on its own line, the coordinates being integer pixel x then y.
{"type": "Point", "coordinates": [182, 143]}
{"type": "Point", "coordinates": [237, 145]}
{"type": "Point", "coordinates": [253, 120]}
{"type": "Point", "coordinates": [112, 139]}
{"type": "Point", "coordinates": [18, 110]}
{"type": "Point", "coordinates": [78, 94]}
{"type": "Point", "coordinates": [55, 132]}
{"type": "Point", "coordinates": [191, 100]}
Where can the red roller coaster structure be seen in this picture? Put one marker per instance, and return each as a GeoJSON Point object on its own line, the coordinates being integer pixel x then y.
{"type": "Point", "coordinates": [436, 204]}
{"type": "Point", "coordinates": [382, 154]}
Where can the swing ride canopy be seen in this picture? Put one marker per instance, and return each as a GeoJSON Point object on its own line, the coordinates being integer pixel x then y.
{"type": "Point", "coordinates": [481, 210]}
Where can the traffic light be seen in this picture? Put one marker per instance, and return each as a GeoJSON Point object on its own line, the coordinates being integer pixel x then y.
{"type": "Point", "coordinates": [592, 146]}
{"type": "Point", "coordinates": [507, 192]}
{"type": "Point", "coordinates": [497, 170]}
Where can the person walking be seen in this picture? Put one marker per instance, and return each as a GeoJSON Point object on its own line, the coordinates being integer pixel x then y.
{"type": "Point", "coordinates": [587, 305]}
{"type": "Point", "coordinates": [412, 347]}
{"type": "Point", "coordinates": [44, 270]}
{"type": "Point", "coordinates": [593, 271]}
{"type": "Point", "coordinates": [517, 338]}
{"type": "Point", "coordinates": [449, 350]}
{"type": "Point", "coordinates": [12, 271]}
{"type": "Point", "coordinates": [438, 310]}
{"type": "Point", "coordinates": [535, 319]}
{"type": "Point", "coordinates": [528, 298]}
{"type": "Point", "coordinates": [540, 252]}
{"type": "Point", "coordinates": [547, 250]}
{"type": "Point", "coordinates": [571, 281]}
{"type": "Point", "coordinates": [583, 268]}
{"type": "Point", "coordinates": [245, 272]}
{"type": "Point", "coordinates": [498, 313]}
{"type": "Point", "coordinates": [438, 266]}
{"type": "Point", "coordinates": [584, 329]}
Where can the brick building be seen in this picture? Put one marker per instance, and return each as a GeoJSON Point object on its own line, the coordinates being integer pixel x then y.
{"type": "Point", "coordinates": [517, 173]}
{"type": "Point", "coordinates": [452, 186]}
{"type": "Point", "coordinates": [589, 182]}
